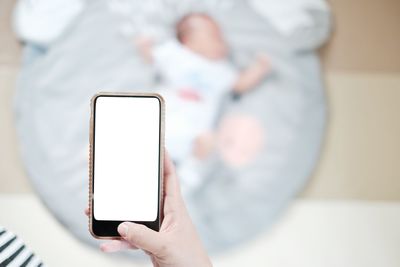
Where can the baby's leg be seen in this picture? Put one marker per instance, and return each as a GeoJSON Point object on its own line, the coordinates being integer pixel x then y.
{"type": "Point", "coordinates": [191, 169]}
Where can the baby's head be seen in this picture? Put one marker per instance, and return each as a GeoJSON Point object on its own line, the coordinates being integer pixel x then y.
{"type": "Point", "coordinates": [201, 34]}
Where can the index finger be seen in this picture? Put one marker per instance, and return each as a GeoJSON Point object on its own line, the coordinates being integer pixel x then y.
{"type": "Point", "coordinates": [170, 178]}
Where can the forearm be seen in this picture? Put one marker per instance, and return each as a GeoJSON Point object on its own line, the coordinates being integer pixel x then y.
{"type": "Point", "coordinates": [253, 75]}
{"type": "Point", "coordinates": [248, 79]}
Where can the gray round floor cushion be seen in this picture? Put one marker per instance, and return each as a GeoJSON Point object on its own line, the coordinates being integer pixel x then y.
{"type": "Point", "coordinates": [279, 124]}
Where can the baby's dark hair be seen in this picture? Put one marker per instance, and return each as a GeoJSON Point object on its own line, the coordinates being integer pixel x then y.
{"type": "Point", "coordinates": [184, 25]}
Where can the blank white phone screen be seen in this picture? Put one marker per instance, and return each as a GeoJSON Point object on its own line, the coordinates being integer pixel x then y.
{"type": "Point", "coordinates": [126, 158]}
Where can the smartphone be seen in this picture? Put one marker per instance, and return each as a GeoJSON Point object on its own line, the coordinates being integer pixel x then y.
{"type": "Point", "coordinates": [125, 161]}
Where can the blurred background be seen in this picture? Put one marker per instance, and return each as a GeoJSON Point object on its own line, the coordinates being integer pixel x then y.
{"type": "Point", "coordinates": [349, 212]}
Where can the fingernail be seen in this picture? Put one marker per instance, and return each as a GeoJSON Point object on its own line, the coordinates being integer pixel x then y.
{"type": "Point", "coordinates": [123, 230]}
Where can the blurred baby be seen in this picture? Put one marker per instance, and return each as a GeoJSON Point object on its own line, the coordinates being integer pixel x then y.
{"type": "Point", "coordinates": [195, 75]}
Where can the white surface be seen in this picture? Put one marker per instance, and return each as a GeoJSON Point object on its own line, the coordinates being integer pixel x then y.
{"type": "Point", "coordinates": [289, 15]}
{"type": "Point", "coordinates": [311, 233]}
{"type": "Point", "coordinates": [126, 158]}
{"type": "Point", "coordinates": [43, 21]}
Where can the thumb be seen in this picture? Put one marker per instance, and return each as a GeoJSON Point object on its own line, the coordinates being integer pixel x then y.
{"type": "Point", "coordinates": [142, 237]}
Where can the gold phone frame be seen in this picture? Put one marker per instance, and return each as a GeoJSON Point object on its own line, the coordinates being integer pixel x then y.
{"type": "Point", "coordinates": [161, 157]}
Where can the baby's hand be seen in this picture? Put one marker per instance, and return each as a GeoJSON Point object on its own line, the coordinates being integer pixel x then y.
{"type": "Point", "coordinates": [253, 75]}
{"type": "Point", "coordinates": [143, 41]}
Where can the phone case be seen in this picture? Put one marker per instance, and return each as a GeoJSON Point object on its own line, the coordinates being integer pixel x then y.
{"type": "Point", "coordinates": [90, 165]}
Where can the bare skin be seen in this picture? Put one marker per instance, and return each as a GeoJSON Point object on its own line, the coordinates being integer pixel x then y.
{"type": "Point", "coordinates": [203, 145]}
{"type": "Point", "coordinates": [177, 244]}
{"type": "Point", "coordinates": [252, 75]}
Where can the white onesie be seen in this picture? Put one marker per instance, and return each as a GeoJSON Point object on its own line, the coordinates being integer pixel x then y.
{"type": "Point", "coordinates": [192, 87]}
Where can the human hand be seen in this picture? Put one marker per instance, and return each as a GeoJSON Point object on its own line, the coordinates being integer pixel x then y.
{"type": "Point", "coordinates": [177, 243]}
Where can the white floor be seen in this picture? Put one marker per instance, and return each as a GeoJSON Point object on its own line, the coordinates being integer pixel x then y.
{"type": "Point", "coordinates": [311, 233]}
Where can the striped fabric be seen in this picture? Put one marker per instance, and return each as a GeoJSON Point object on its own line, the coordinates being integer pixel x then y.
{"type": "Point", "coordinates": [13, 251]}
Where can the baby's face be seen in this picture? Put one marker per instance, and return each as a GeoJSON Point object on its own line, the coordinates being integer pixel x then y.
{"type": "Point", "coordinates": [206, 39]}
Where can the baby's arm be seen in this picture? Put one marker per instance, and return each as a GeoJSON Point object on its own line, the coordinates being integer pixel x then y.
{"type": "Point", "coordinates": [252, 75]}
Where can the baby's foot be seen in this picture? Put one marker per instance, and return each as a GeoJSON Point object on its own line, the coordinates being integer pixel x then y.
{"type": "Point", "coordinates": [203, 145]}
